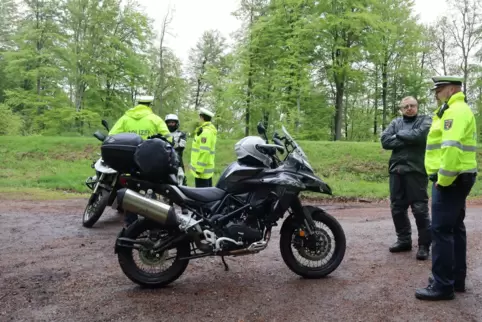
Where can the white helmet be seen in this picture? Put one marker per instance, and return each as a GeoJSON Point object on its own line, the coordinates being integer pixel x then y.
{"type": "Point", "coordinates": [171, 117]}
{"type": "Point", "coordinates": [247, 153]}
{"type": "Point", "coordinates": [145, 99]}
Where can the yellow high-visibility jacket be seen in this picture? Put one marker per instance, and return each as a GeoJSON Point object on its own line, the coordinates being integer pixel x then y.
{"type": "Point", "coordinates": [142, 121]}
{"type": "Point", "coordinates": [452, 142]}
{"type": "Point", "coordinates": [203, 151]}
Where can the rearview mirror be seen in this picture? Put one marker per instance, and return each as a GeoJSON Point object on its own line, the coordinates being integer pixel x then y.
{"type": "Point", "coordinates": [105, 124]}
{"type": "Point", "coordinates": [261, 129]}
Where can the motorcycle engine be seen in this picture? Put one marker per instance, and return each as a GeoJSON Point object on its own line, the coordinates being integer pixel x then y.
{"type": "Point", "coordinates": [246, 228]}
{"type": "Point", "coordinates": [241, 231]}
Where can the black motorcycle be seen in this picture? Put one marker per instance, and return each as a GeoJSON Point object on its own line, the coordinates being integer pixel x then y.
{"type": "Point", "coordinates": [232, 219]}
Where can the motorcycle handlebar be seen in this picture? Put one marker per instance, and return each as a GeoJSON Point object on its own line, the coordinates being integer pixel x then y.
{"type": "Point", "coordinates": [269, 148]}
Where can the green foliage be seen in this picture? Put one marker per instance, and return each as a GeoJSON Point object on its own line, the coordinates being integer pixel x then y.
{"type": "Point", "coordinates": [336, 70]}
{"type": "Point", "coordinates": [10, 123]}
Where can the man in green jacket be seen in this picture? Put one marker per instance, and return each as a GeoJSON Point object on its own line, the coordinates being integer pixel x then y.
{"type": "Point", "coordinates": [140, 120]}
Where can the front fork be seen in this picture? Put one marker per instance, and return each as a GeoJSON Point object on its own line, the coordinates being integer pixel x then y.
{"type": "Point", "coordinates": [99, 181]}
{"type": "Point", "coordinates": [306, 218]}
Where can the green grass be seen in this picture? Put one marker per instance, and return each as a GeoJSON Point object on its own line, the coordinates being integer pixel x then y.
{"type": "Point", "coordinates": [50, 167]}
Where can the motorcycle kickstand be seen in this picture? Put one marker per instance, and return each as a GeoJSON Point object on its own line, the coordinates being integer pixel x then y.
{"type": "Point", "coordinates": [226, 267]}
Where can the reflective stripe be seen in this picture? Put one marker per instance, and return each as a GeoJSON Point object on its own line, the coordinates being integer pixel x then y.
{"type": "Point", "coordinates": [459, 145]}
{"type": "Point", "coordinates": [455, 173]}
{"type": "Point", "coordinates": [202, 164]}
{"type": "Point", "coordinates": [194, 150]}
{"type": "Point", "coordinates": [433, 146]}
{"type": "Point", "coordinates": [205, 148]}
{"type": "Point", "coordinates": [205, 170]}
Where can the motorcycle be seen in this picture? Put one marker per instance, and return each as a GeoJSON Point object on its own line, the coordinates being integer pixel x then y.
{"type": "Point", "coordinates": [103, 184]}
{"type": "Point", "coordinates": [232, 219]}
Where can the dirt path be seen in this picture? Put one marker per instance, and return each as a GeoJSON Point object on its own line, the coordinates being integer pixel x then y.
{"type": "Point", "coordinates": [53, 269]}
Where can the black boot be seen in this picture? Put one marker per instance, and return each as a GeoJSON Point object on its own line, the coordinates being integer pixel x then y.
{"type": "Point", "coordinates": [422, 253]}
{"type": "Point", "coordinates": [431, 294]}
{"type": "Point", "coordinates": [400, 247]}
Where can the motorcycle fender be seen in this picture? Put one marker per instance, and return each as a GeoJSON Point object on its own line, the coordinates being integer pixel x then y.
{"type": "Point", "coordinates": [99, 166]}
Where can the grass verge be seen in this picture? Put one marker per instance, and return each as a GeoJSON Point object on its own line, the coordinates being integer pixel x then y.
{"type": "Point", "coordinates": [56, 167]}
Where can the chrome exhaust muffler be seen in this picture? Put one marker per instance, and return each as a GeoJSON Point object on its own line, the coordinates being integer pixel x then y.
{"type": "Point", "coordinates": [152, 209]}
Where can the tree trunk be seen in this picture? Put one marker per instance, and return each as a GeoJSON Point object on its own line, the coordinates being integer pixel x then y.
{"type": "Point", "coordinates": [340, 90]}
{"type": "Point", "coordinates": [384, 93]}
{"type": "Point", "coordinates": [375, 118]}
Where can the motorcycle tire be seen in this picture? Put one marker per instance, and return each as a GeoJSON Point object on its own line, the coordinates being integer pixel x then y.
{"type": "Point", "coordinates": [290, 230]}
{"type": "Point", "coordinates": [140, 276]}
{"type": "Point", "coordinates": [95, 207]}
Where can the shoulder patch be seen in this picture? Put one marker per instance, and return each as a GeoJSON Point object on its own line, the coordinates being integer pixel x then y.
{"type": "Point", "coordinates": [203, 140]}
{"type": "Point", "coordinates": [448, 124]}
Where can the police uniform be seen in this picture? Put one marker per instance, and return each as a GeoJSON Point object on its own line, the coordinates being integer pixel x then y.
{"type": "Point", "coordinates": [141, 120]}
{"type": "Point", "coordinates": [450, 162]}
{"type": "Point", "coordinates": [203, 151]}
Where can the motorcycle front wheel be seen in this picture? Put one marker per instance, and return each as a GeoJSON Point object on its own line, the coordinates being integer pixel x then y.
{"type": "Point", "coordinates": [95, 207]}
{"type": "Point", "coordinates": [144, 265]}
{"type": "Point", "coordinates": [313, 255]}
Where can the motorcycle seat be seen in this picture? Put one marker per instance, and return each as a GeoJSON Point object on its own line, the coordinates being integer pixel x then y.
{"type": "Point", "coordinates": [203, 194]}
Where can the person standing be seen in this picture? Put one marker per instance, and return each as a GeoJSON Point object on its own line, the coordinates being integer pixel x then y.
{"type": "Point", "coordinates": [406, 137]}
{"type": "Point", "coordinates": [450, 162]}
{"type": "Point", "coordinates": [203, 150]}
{"type": "Point", "coordinates": [179, 137]}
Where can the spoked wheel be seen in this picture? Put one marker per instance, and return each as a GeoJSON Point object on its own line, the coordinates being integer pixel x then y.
{"type": "Point", "coordinates": [146, 266]}
{"type": "Point", "coordinates": [95, 207]}
{"type": "Point", "coordinates": [313, 255]}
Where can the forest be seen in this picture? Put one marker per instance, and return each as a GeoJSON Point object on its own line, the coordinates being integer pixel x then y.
{"type": "Point", "coordinates": [334, 70]}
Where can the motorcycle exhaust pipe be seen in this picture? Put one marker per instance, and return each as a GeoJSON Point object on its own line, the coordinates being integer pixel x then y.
{"type": "Point", "coordinates": [153, 209]}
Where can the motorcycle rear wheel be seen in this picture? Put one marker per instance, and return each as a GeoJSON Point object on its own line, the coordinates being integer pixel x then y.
{"type": "Point", "coordinates": [315, 249]}
{"type": "Point", "coordinates": [151, 258]}
{"type": "Point", "coordinates": [95, 208]}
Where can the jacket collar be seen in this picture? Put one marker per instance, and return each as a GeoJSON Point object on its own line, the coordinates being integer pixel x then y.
{"type": "Point", "coordinates": [460, 96]}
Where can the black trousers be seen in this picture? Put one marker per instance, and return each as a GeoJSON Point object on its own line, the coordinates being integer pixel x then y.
{"type": "Point", "coordinates": [449, 251]}
{"type": "Point", "coordinates": [203, 183]}
{"type": "Point", "coordinates": [410, 190]}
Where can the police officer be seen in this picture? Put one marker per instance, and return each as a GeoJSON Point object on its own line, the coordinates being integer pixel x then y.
{"type": "Point", "coordinates": [203, 150]}
{"type": "Point", "coordinates": [179, 138]}
{"type": "Point", "coordinates": [450, 162]}
{"type": "Point", "coordinates": [406, 136]}
{"type": "Point", "coordinates": [140, 120]}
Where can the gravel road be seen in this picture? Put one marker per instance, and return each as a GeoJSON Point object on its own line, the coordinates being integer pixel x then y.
{"type": "Point", "coordinates": [53, 269]}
